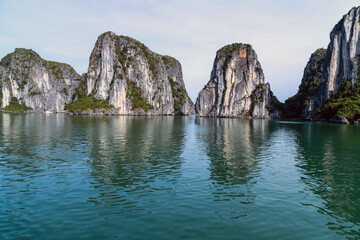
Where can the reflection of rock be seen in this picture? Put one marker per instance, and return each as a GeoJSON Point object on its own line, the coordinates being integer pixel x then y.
{"type": "Point", "coordinates": [130, 156]}
{"type": "Point", "coordinates": [233, 146]}
{"type": "Point", "coordinates": [329, 160]}
{"type": "Point", "coordinates": [30, 146]}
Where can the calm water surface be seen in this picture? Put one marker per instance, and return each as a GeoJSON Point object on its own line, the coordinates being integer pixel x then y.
{"type": "Point", "coordinates": [66, 177]}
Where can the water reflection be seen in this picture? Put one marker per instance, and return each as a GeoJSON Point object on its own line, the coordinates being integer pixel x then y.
{"type": "Point", "coordinates": [329, 157]}
{"type": "Point", "coordinates": [38, 153]}
{"type": "Point", "coordinates": [233, 146]}
{"type": "Point", "coordinates": [28, 141]}
{"type": "Point", "coordinates": [205, 178]}
{"type": "Point", "coordinates": [134, 159]}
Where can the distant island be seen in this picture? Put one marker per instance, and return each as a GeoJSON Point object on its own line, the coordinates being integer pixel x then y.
{"type": "Point", "coordinates": [126, 78]}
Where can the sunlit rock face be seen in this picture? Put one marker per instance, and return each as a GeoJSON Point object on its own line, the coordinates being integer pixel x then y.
{"type": "Point", "coordinates": [131, 79]}
{"type": "Point", "coordinates": [236, 87]}
{"type": "Point", "coordinates": [35, 82]}
{"type": "Point", "coordinates": [341, 63]}
{"type": "Point", "coordinates": [135, 80]}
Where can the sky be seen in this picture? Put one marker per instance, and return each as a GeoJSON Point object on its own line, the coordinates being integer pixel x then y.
{"type": "Point", "coordinates": [283, 33]}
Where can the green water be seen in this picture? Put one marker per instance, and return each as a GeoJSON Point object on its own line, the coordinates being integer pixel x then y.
{"type": "Point", "coordinates": [64, 177]}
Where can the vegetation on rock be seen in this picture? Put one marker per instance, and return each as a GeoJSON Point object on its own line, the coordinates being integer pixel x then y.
{"type": "Point", "coordinates": [22, 69]}
{"type": "Point", "coordinates": [346, 103]}
{"type": "Point", "coordinates": [275, 103]}
{"type": "Point", "coordinates": [34, 93]}
{"type": "Point", "coordinates": [134, 93]}
{"type": "Point", "coordinates": [122, 53]}
{"type": "Point", "coordinates": [169, 61]}
{"type": "Point", "coordinates": [15, 106]}
{"type": "Point", "coordinates": [179, 94]}
{"type": "Point", "coordinates": [227, 52]}
{"type": "Point", "coordinates": [88, 103]}
{"type": "Point", "coordinates": [257, 94]}
{"type": "Point", "coordinates": [26, 54]}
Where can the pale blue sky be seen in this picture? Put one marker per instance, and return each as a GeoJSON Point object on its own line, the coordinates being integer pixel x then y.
{"type": "Point", "coordinates": [283, 32]}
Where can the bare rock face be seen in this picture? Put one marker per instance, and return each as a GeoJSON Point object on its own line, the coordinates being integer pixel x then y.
{"type": "Point", "coordinates": [135, 80]}
{"type": "Point", "coordinates": [124, 77]}
{"type": "Point", "coordinates": [36, 83]}
{"type": "Point", "coordinates": [236, 87]}
{"type": "Point", "coordinates": [342, 62]}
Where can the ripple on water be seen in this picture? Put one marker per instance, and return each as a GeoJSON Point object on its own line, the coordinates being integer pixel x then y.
{"type": "Point", "coordinates": [138, 177]}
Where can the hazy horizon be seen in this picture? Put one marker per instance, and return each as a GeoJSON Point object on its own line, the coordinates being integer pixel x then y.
{"type": "Point", "coordinates": [283, 33]}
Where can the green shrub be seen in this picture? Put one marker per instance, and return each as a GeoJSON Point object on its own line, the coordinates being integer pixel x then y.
{"type": "Point", "coordinates": [34, 93]}
{"type": "Point", "coordinates": [227, 52]}
{"type": "Point", "coordinates": [5, 61]}
{"type": "Point", "coordinates": [257, 93]}
{"type": "Point", "coordinates": [64, 91]}
{"type": "Point", "coordinates": [151, 57]}
{"type": "Point", "coordinates": [15, 106]}
{"type": "Point", "coordinates": [26, 54]}
{"type": "Point", "coordinates": [23, 83]}
{"type": "Point", "coordinates": [87, 103]}
{"type": "Point", "coordinates": [55, 68]}
{"type": "Point", "coordinates": [134, 93]}
{"type": "Point", "coordinates": [178, 93]}
{"type": "Point", "coordinates": [1, 94]}
{"type": "Point", "coordinates": [121, 53]}
{"type": "Point", "coordinates": [258, 69]}
{"type": "Point", "coordinates": [346, 103]}
{"type": "Point", "coordinates": [169, 61]}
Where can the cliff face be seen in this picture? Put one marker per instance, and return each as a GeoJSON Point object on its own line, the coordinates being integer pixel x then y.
{"type": "Point", "coordinates": [36, 83]}
{"type": "Point", "coordinates": [135, 80]}
{"type": "Point", "coordinates": [294, 107]}
{"type": "Point", "coordinates": [341, 64]}
{"type": "Point", "coordinates": [236, 87]}
{"type": "Point", "coordinates": [124, 77]}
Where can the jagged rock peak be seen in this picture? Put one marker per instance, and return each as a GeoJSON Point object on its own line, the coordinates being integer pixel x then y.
{"type": "Point", "coordinates": [134, 79]}
{"type": "Point", "coordinates": [236, 87]}
{"type": "Point", "coordinates": [36, 83]}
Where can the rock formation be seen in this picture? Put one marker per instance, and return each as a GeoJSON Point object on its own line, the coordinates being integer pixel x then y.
{"type": "Point", "coordinates": [135, 80]}
{"type": "Point", "coordinates": [36, 83]}
{"type": "Point", "coordinates": [341, 65]}
{"type": "Point", "coordinates": [236, 87]}
{"type": "Point", "coordinates": [124, 77]}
